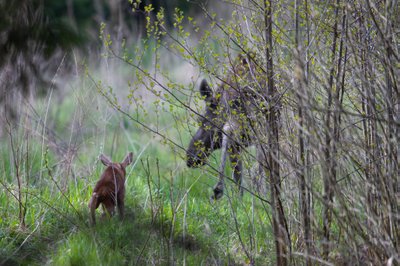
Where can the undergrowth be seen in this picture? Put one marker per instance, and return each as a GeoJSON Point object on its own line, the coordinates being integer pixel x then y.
{"type": "Point", "coordinates": [169, 216]}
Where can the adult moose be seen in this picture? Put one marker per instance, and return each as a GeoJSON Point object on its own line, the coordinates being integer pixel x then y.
{"type": "Point", "coordinates": [230, 120]}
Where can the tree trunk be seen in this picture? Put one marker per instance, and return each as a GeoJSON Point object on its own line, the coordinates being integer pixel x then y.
{"type": "Point", "coordinates": [303, 164]}
{"type": "Point", "coordinates": [330, 145]}
{"type": "Point", "coordinates": [278, 216]}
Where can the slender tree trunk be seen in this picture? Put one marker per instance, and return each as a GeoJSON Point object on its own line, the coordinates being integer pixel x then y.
{"type": "Point", "coordinates": [374, 149]}
{"type": "Point", "coordinates": [368, 125]}
{"type": "Point", "coordinates": [330, 172]}
{"type": "Point", "coordinates": [303, 164]}
{"type": "Point", "coordinates": [340, 76]}
{"type": "Point", "coordinates": [278, 216]}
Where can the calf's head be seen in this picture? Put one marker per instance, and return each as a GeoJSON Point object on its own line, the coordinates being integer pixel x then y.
{"type": "Point", "coordinates": [209, 135]}
{"type": "Point", "coordinates": [120, 167]}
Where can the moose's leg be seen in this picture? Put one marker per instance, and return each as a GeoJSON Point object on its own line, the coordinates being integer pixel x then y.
{"type": "Point", "coordinates": [237, 169]}
{"type": "Point", "coordinates": [228, 129]}
{"type": "Point", "coordinates": [219, 187]}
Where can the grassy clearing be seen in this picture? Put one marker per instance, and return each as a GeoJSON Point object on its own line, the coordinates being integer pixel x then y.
{"type": "Point", "coordinates": [169, 216]}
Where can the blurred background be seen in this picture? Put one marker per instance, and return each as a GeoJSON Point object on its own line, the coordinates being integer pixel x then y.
{"type": "Point", "coordinates": [45, 42]}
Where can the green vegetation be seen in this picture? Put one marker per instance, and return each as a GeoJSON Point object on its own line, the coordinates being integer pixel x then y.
{"type": "Point", "coordinates": [169, 214]}
{"type": "Point", "coordinates": [312, 85]}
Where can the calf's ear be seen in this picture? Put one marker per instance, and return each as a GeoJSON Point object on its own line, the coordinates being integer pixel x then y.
{"type": "Point", "coordinates": [105, 160]}
{"type": "Point", "coordinates": [128, 160]}
{"type": "Point", "coordinates": [205, 90]}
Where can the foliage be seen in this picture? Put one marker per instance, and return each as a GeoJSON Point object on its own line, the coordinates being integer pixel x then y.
{"type": "Point", "coordinates": [321, 180]}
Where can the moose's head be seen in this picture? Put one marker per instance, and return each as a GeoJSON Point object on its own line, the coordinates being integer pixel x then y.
{"type": "Point", "coordinates": [209, 135]}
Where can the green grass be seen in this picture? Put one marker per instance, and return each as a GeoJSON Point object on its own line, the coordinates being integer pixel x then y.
{"type": "Point", "coordinates": [169, 217]}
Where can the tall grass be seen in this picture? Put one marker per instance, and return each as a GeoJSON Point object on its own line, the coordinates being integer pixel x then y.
{"type": "Point", "coordinates": [169, 219]}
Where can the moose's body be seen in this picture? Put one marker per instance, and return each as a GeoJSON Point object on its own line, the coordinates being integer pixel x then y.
{"type": "Point", "coordinates": [228, 123]}
{"type": "Point", "coordinates": [110, 189]}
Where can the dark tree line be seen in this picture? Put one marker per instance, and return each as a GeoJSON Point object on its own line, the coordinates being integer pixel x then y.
{"type": "Point", "coordinates": [39, 37]}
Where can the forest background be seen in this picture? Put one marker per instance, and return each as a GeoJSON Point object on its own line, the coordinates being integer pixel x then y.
{"type": "Point", "coordinates": [80, 78]}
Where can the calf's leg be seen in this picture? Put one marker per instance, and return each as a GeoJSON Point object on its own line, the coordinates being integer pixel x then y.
{"type": "Point", "coordinates": [121, 204]}
{"type": "Point", "coordinates": [93, 205]}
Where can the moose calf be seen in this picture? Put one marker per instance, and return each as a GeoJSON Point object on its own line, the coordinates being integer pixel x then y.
{"type": "Point", "coordinates": [110, 189]}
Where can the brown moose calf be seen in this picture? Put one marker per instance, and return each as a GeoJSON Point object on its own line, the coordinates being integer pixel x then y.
{"type": "Point", "coordinates": [110, 189]}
